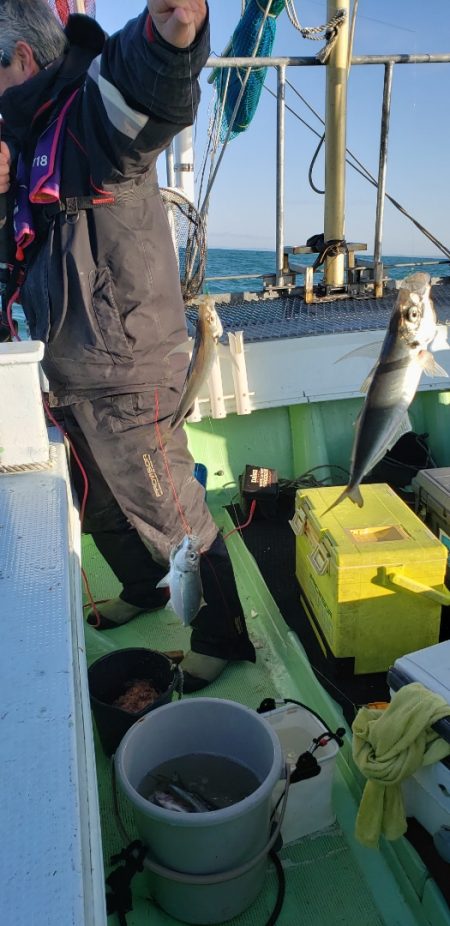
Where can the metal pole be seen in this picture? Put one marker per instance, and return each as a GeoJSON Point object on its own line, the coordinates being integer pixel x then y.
{"type": "Point", "coordinates": [304, 61]}
{"type": "Point", "coordinates": [281, 124]}
{"type": "Point", "coordinates": [170, 166]}
{"type": "Point", "coordinates": [171, 210]}
{"type": "Point", "coordinates": [335, 143]}
{"type": "Point", "coordinates": [184, 162]}
{"type": "Point", "coordinates": [382, 168]}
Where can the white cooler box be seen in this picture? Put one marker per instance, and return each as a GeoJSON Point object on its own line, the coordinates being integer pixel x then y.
{"type": "Point", "coordinates": [309, 805]}
{"type": "Point", "coordinates": [427, 793]}
{"type": "Point", "coordinates": [432, 500]}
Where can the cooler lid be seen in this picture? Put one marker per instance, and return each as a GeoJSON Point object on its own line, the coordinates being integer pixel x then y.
{"type": "Point", "coordinates": [384, 531]}
{"type": "Point", "coordinates": [435, 481]}
{"type": "Point", "coordinates": [430, 667]}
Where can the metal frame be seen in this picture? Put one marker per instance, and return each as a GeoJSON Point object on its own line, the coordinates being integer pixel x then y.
{"type": "Point", "coordinates": [280, 64]}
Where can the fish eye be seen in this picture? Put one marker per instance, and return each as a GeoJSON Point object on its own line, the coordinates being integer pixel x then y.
{"type": "Point", "coordinates": [413, 314]}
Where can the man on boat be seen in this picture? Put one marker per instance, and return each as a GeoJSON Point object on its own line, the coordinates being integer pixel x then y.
{"type": "Point", "coordinates": [85, 117]}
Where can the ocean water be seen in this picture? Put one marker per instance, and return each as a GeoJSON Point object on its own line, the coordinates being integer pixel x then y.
{"type": "Point", "coordinates": [224, 262]}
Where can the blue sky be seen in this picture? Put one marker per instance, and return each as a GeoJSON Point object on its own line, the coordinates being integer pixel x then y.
{"type": "Point", "coordinates": [242, 212]}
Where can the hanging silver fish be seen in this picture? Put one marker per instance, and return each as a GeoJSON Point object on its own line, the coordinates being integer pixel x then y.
{"type": "Point", "coordinates": [392, 384]}
{"type": "Point", "coordinates": [209, 331]}
{"type": "Point", "coordinates": [184, 580]}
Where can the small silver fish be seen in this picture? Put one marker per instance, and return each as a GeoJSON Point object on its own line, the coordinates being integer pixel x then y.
{"type": "Point", "coordinates": [195, 801]}
{"type": "Point", "coordinates": [176, 797]}
{"type": "Point", "coordinates": [165, 798]}
{"type": "Point", "coordinates": [209, 331]}
{"type": "Point", "coordinates": [392, 384]}
{"type": "Point", "coordinates": [184, 580]}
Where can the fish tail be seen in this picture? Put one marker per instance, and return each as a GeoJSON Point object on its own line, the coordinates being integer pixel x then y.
{"type": "Point", "coordinates": [179, 416]}
{"type": "Point", "coordinates": [164, 582]}
{"type": "Point", "coordinates": [351, 492]}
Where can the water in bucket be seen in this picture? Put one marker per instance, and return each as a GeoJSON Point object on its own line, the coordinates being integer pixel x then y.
{"type": "Point", "coordinates": [228, 849]}
{"type": "Point", "coordinates": [198, 783]}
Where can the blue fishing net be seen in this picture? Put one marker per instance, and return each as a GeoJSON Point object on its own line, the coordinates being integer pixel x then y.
{"type": "Point", "coordinates": [243, 44]}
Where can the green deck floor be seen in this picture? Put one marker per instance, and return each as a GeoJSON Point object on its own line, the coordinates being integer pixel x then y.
{"type": "Point", "coordinates": [330, 879]}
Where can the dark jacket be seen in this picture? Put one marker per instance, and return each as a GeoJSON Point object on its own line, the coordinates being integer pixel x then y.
{"type": "Point", "coordinates": [102, 287]}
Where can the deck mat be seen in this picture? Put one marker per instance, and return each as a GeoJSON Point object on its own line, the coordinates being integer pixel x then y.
{"type": "Point", "coordinates": [323, 883]}
{"type": "Point", "coordinates": [265, 318]}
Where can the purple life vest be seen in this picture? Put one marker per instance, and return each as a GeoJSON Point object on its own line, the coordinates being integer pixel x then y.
{"type": "Point", "coordinates": [42, 183]}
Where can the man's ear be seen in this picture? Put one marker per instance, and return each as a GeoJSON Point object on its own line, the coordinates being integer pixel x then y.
{"type": "Point", "coordinates": [25, 59]}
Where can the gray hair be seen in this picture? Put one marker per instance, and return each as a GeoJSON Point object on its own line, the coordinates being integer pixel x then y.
{"type": "Point", "coordinates": [33, 22]}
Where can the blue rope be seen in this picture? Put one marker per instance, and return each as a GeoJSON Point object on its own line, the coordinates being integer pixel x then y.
{"type": "Point", "coordinates": [243, 44]}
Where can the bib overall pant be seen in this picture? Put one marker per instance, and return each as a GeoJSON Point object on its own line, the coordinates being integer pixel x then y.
{"type": "Point", "coordinates": [142, 499]}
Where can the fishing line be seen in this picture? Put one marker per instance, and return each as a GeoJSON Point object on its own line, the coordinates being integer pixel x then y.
{"type": "Point", "coordinates": [244, 82]}
{"type": "Point", "coordinates": [15, 296]}
{"type": "Point", "coordinates": [332, 685]}
{"type": "Point", "coordinates": [84, 477]}
{"type": "Point", "coordinates": [363, 171]}
{"type": "Point", "coordinates": [184, 522]}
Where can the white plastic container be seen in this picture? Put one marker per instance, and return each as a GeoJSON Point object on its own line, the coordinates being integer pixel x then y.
{"type": "Point", "coordinates": [309, 806]}
{"type": "Point", "coordinates": [23, 431]}
{"type": "Point", "coordinates": [427, 793]}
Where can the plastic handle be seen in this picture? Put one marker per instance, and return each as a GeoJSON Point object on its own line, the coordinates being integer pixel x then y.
{"type": "Point", "coordinates": [397, 580]}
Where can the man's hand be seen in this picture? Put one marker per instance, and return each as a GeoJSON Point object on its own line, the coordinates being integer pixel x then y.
{"type": "Point", "coordinates": [178, 21]}
{"type": "Point", "coordinates": [5, 159]}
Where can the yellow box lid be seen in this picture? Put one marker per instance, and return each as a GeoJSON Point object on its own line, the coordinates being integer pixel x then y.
{"type": "Point", "coordinates": [381, 530]}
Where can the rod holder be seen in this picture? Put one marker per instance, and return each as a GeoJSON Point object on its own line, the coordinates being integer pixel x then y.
{"type": "Point", "coordinates": [239, 371]}
{"type": "Point", "coordinates": [215, 386]}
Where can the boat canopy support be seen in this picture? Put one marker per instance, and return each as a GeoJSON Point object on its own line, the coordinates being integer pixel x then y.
{"type": "Point", "coordinates": [335, 148]}
{"type": "Point", "coordinates": [382, 170]}
{"type": "Point", "coordinates": [352, 276]}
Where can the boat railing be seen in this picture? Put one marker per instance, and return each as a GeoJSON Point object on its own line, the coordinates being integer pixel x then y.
{"type": "Point", "coordinates": [285, 275]}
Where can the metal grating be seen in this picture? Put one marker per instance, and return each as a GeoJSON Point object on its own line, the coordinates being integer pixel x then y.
{"type": "Point", "coordinates": [289, 316]}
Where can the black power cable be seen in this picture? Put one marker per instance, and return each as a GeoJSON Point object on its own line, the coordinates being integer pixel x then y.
{"type": "Point", "coordinates": [281, 889]}
{"type": "Point", "coordinates": [269, 704]}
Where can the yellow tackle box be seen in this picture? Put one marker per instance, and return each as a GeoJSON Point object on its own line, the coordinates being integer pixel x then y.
{"type": "Point", "coordinates": [371, 578]}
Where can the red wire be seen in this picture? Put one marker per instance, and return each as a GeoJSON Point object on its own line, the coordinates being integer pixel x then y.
{"type": "Point", "coordinates": [83, 502]}
{"type": "Point", "coordinates": [240, 527]}
{"type": "Point", "coordinates": [14, 334]}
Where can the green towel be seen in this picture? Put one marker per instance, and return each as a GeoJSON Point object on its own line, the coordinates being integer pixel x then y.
{"type": "Point", "coordinates": [388, 746]}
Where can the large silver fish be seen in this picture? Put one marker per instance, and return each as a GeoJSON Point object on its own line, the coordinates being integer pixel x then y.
{"type": "Point", "coordinates": [209, 330]}
{"type": "Point", "coordinates": [184, 580]}
{"type": "Point", "coordinates": [392, 384]}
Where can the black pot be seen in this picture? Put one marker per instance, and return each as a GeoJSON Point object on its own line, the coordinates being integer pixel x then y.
{"type": "Point", "coordinates": [109, 677]}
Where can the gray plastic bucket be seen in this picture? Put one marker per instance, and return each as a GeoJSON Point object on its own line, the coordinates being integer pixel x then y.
{"type": "Point", "coordinates": [206, 844]}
